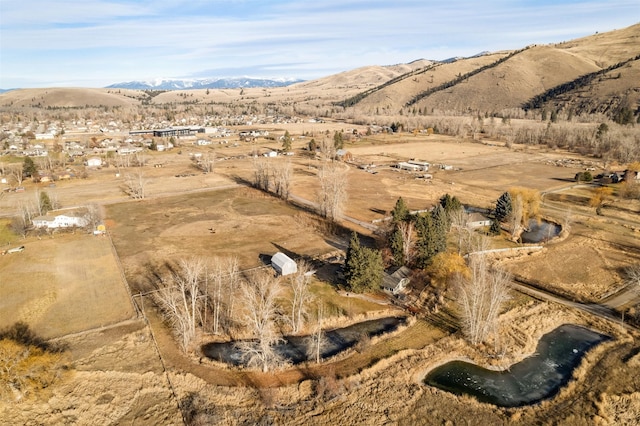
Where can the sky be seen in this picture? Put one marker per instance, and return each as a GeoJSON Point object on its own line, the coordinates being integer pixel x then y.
{"type": "Point", "coordinates": [94, 43]}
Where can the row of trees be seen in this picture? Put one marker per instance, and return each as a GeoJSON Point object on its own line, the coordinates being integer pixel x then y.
{"type": "Point", "coordinates": [214, 296]}
{"type": "Point", "coordinates": [415, 239]}
{"type": "Point", "coordinates": [479, 290]}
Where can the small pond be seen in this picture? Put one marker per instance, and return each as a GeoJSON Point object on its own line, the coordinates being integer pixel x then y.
{"type": "Point", "coordinates": [295, 348]}
{"type": "Point", "coordinates": [540, 231]}
{"type": "Point", "coordinates": [535, 378]}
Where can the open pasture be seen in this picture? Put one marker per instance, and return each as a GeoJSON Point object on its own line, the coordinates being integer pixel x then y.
{"type": "Point", "coordinates": [63, 285]}
{"type": "Point", "coordinates": [240, 222]}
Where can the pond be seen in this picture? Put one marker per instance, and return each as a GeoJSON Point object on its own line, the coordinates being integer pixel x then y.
{"type": "Point", "coordinates": [296, 348]}
{"type": "Point", "coordinates": [535, 378]}
{"type": "Point", "coordinates": [540, 231]}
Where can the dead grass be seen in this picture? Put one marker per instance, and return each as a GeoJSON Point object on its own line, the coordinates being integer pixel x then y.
{"type": "Point", "coordinates": [63, 285]}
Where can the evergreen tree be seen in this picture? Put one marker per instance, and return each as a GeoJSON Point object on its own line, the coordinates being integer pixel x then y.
{"type": "Point", "coordinates": [29, 168]}
{"type": "Point", "coordinates": [495, 227]}
{"type": "Point", "coordinates": [396, 244]}
{"type": "Point", "coordinates": [363, 267]}
{"type": "Point", "coordinates": [503, 207]}
{"type": "Point", "coordinates": [354, 260]}
{"type": "Point", "coordinates": [400, 212]}
{"type": "Point", "coordinates": [338, 143]}
{"type": "Point", "coordinates": [424, 245]}
{"type": "Point", "coordinates": [374, 268]}
{"type": "Point", "coordinates": [450, 203]}
{"type": "Point", "coordinates": [286, 142]}
{"type": "Point", "coordinates": [432, 236]}
{"type": "Point", "coordinates": [45, 203]}
{"type": "Point", "coordinates": [441, 224]}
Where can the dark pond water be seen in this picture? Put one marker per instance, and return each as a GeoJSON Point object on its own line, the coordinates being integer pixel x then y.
{"type": "Point", "coordinates": [535, 378]}
{"type": "Point", "coordinates": [540, 231]}
{"type": "Point", "coordinates": [295, 348]}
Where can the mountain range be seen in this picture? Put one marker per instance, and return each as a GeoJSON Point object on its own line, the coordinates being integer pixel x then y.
{"type": "Point", "coordinates": [597, 74]}
{"type": "Point", "coordinates": [203, 83]}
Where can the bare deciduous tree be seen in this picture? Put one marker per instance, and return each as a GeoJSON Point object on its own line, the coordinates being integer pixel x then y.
{"type": "Point", "coordinates": [516, 216]}
{"type": "Point", "coordinates": [135, 185]}
{"type": "Point", "coordinates": [480, 297]}
{"type": "Point", "coordinates": [333, 194]}
{"type": "Point", "coordinates": [633, 277]}
{"type": "Point", "coordinates": [317, 340]}
{"type": "Point", "coordinates": [327, 148]}
{"type": "Point", "coordinates": [300, 296]}
{"type": "Point", "coordinates": [181, 300]}
{"type": "Point", "coordinates": [409, 236]}
{"type": "Point", "coordinates": [259, 294]}
{"type": "Point", "coordinates": [205, 162]}
{"type": "Point", "coordinates": [17, 173]}
{"type": "Point", "coordinates": [223, 276]}
{"type": "Point", "coordinates": [261, 175]}
{"type": "Point", "coordinates": [282, 172]}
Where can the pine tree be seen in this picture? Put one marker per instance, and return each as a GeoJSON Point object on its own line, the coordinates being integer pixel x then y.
{"type": "Point", "coordinates": [338, 142]}
{"type": "Point", "coordinates": [353, 261]}
{"type": "Point", "coordinates": [400, 212]}
{"type": "Point", "coordinates": [495, 227]}
{"type": "Point", "coordinates": [450, 203]}
{"type": "Point", "coordinates": [424, 226]}
{"type": "Point", "coordinates": [29, 168]}
{"type": "Point", "coordinates": [363, 267]}
{"type": "Point", "coordinates": [441, 224]}
{"type": "Point", "coordinates": [396, 244]}
{"type": "Point", "coordinates": [432, 236]}
{"type": "Point", "coordinates": [286, 142]}
{"type": "Point", "coordinates": [45, 203]}
{"type": "Point", "coordinates": [503, 207]}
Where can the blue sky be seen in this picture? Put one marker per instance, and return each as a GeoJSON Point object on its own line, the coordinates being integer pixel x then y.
{"type": "Point", "coordinates": [94, 43]}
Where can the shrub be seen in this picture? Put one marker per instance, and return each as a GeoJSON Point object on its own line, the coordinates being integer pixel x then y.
{"type": "Point", "coordinates": [29, 364]}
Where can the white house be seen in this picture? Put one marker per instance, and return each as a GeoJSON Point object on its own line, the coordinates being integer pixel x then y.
{"type": "Point", "coordinates": [61, 220]}
{"type": "Point", "coordinates": [478, 220]}
{"type": "Point", "coordinates": [94, 162]}
{"type": "Point", "coordinates": [283, 264]}
{"type": "Point", "coordinates": [396, 280]}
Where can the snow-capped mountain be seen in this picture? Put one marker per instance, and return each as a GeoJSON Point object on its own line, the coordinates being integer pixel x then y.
{"type": "Point", "coordinates": [203, 83]}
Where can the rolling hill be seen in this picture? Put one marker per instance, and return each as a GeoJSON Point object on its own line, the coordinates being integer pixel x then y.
{"type": "Point", "coordinates": [598, 73]}
{"type": "Point", "coordinates": [595, 74]}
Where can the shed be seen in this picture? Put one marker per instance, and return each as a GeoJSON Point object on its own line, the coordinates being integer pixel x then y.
{"type": "Point", "coordinates": [283, 264]}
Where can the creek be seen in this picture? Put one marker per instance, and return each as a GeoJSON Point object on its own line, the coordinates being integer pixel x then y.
{"type": "Point", "coordinates": [298, 349]}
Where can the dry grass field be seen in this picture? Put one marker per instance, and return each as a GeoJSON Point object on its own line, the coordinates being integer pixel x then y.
{"type": "Point", "coordinates": [240, 222]}
{"type": "Point", "coordinates": [63, 285]}
{"type": "Point", "coordinates": [117, 369]}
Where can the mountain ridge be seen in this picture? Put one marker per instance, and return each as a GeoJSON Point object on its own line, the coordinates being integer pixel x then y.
{"type": "Point", "coordinates": [204, 83]}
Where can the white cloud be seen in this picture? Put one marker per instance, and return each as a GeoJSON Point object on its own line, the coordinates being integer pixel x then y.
{"type": "Point", "coordinates": [119, 40]}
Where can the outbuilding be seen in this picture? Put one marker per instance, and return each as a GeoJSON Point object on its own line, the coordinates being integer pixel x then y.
{"type": "Point", "coordinates": [283, 264]}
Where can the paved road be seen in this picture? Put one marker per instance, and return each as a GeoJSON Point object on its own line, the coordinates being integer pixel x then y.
{"type": "Point", "coordinates": [599, 310]}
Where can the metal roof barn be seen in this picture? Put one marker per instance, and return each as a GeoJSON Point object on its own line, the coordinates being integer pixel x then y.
{"type": "Point", "coordinates": [283, 264]}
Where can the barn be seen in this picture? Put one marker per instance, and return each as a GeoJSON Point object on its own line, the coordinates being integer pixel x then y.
{"type": "Point", "coordinates": [283, 264]}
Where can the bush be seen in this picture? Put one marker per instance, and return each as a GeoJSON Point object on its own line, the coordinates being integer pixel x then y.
{"type": "Point", "coordinates": [29, 364]}
{"type": "Point", "coordinates": [583, 177]}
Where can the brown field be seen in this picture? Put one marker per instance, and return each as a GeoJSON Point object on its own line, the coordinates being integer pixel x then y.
{"type": "Point", "coordinates": [63, 285]}
{"type": "Point", "coordinates": [245, 222]}
{"type": "Point", "coordinates": [378, 383]}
